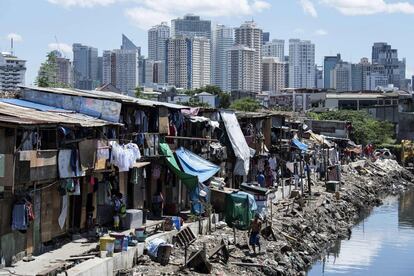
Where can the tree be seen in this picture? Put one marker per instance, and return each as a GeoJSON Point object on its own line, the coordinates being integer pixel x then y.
{"type": "Point", "coordinates": [195, 103]}
{"type": "Point", "coordinates": [365, 129]}
{"type": "Point", "coordinates": [139, 93]}
{"type": "Point", "coordinates": [245, 104]}
{"type": "Point", "coordinates": [224, 97]}
{"type": "Point", "coordinates": [47, 75]}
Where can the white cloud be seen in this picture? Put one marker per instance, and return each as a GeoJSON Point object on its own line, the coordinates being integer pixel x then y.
{"type": "Point", "coordinates": [150, 12]}
{"type": "Point", "coordinates": [15, 37]}
{"type": "Point", "coordinates": [298, 31]}
{"type": "Point", "coordinates": [62, 47]}
{"type": "Point", "coordinates": [368, 7]}
{"type": "Point", "coordinates": [83, 3]}
{"type": "Point", "coordinates": [321, 32]}
{"type": "Point", "coordinates": [145, 18]}
{"type": "Point", "coordinates": [308, 8]}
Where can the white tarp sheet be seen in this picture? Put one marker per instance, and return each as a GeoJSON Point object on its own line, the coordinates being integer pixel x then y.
{"type": "Point", "coordinates": [238, 142]}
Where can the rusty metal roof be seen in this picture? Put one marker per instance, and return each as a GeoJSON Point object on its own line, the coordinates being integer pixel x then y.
{"type": "Point", "coordinates": [14, 114]}
{"type": "Point", "coordinates": [105, 95]}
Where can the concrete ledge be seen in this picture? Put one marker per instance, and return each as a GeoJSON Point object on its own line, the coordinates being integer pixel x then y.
{"type": "Point", "coordinates": [126, 259]}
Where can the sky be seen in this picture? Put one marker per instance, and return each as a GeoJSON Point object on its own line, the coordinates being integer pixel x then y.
{"type": "Point", "coordinates": [349, 27]}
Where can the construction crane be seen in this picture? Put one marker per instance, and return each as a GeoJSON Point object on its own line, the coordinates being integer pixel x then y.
{"type": "Point", "coordinates": [58, 47]}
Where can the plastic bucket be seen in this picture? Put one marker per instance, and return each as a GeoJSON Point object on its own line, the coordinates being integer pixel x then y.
{"type": "Point", "coordinates": [119, 240]}
{"type": "Point", "coordinates": [104, 242]}
{"type": "Point", "coordinates": [163, 254]}
{"type": "Point", "coordinates": [140, 234]}
{"type": "Point", "coordinates": [177, 222]}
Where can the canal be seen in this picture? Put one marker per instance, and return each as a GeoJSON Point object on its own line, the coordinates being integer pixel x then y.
{"type": "Point", "coordinates": [381, 244]}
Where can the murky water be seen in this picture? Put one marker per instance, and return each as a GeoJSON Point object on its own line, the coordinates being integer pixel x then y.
{"type": "Point", "coordinates": [382, 244]}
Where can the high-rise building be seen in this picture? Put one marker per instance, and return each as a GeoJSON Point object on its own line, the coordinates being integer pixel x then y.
{"type": "Point", "coordinates": [159, 72]}
{"type": "Point", "coordinates": [250, 35]}
{"type": "Point", "coordinates": [157, 39]}
{"type": "Point", "coordinates": [319, 77]}
{"type": "Point", "coordinates": [329, 64]}
{"type": "Point", "coordinates": [412, 83]}
{"type": "Point", "coordinates": [341, 77]}
{"type": "Point", "coordinates": [301, 64]}
{"type": "Point", "coordinates": [100, 70]}
{"type": "Point", "coordinates": [223, 40]}
{"type": "Point", "coordinates": [127, 44]}
{"type": "Point", "coordinates": [274, 48]}
{"type": "Point", "coordinates": [188, 62]}
{"type": "Point", "coordinates": [265, 37]}
{"type": "Point", "coordinates": [241, 66]}
{"type": "Point", "coordinates": [120, 68]}
{"type": "Point", "coordinates": [64, 69]}
{"type": "Point", "coordinates": [12, 72]}
{"type": "Point", "coordinates": [382, 53]}
{"type": "Point", "coordinates": [191, 26]}
{"type": "Point", "coordinates": [85, 67]}
{"type": "Point", "coordinates": [273, 73]}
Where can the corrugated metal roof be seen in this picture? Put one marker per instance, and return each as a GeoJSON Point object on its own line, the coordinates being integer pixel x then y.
{"type": "Point", "coordinates": [14, 114]}
{"type": "Point", "coordinates": [33, 105]}
{"type": "Point", "coordinates": [105, 95]}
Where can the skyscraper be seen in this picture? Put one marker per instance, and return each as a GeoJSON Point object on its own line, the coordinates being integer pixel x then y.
{"type": "Point", "coordinates": [274, 48]}
{"type": "Point", "coordinates": [250, 35]}
{"type": "Point", "coordinates": [382, 53]}
{"type": "Point", "coordinates": [191, 26]}
{"type": "Point", "coordinates": [12, 72]}
{"type": "Point", "coordinates": [120, 68]}
{"type": "Point", "coordinates": [222, 41]}
{"type": "Point", "coordinates": [188, 62]}
{"type": "Point", "coordinates": [157, 39]}
{"type": "Point", "coordinates": [127, 44]}
{"type": "Point", "coordinates": [85, 66]}
{"type": "Point", "coordinates": [301, 64]}
{"type": "Point", "coordinates": [329, 64]}
{"type": "Point", "coordinates": [274, 78]}
{"type": "Point", "coordinates": [341, 77]}
{"type": "Point", "coordinates": [265, 37]}
{"type": "Point", "coordinates": [64, 70]}
{"type": "Point", "coordinates": [241, 66]}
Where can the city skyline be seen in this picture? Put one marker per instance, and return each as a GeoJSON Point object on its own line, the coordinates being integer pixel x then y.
{"type": "Point", "coordinates": [329, 24]}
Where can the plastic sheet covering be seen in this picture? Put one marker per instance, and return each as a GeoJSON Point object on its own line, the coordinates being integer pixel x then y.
{"type": "Point", "coordinates": [195, 165]}
{"type": "Point", "coordinates": [238, 142]}
{"type": "Point", "coordinates": [299, 145]}
{"type": "Point", "coordinates": [189, 180]}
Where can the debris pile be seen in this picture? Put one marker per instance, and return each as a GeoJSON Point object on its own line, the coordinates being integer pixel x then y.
{"type": "Point", "coordinates": [301, 227]}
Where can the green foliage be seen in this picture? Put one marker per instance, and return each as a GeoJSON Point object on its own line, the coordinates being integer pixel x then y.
{"type": "Point", "coordinates": [139, 93]}
{"type": "Point", "coordinates": [195, 103]}
{"type": "Point", "coordinates": [365, 129]}
{"type": "Point", "coordinates": [47, 75]}
{"type": "Point", "coordinates": [224, 97]}
{"type": "Point", "coordinates": [245, 104]}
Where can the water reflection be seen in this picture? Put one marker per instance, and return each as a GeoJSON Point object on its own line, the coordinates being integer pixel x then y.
{"type": "Point", "coordinates": [406, 210]}
{"type": "Point", "coordinates": [381, 244]}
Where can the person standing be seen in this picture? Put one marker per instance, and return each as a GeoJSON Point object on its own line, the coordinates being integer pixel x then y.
{"type": "Point", "coordinates": [254, 232]}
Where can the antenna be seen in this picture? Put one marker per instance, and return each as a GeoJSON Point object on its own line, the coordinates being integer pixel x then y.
{"type": "Point", "coordinates": [11, 45]}
{"type": "Point", "coordinates": [58, 47]}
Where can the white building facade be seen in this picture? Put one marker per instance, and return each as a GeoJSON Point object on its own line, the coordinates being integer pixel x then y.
{"type": "Point", "coordinates": [301, 64]}
{"type": "Point", "coordinates": [274, 48]}
{"type": "Point", "coordinates": [188, 62]}
{"type": "Point", "coordinates": [223, 39]}
{"type": "Point", "coordinates": [274, 74]}
{"type": "Point", "coordinates": [250, 35]}
{"type": "Point", "coordinates": [241, 66]}
{"type": "Point", "coordinates": [120, 68]}
{"type": "Point", "coordinates": [12, 72]}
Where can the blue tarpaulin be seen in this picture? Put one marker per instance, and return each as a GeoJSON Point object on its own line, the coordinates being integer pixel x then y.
{"type": "Point", "coordinates": [197, 196]}
{"type": "Point", "coordinates": [40, 107]}
{"type": "Point", "coordinates": [195, 165]}
{"type": "Point", "coordinates": [299, 145]}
